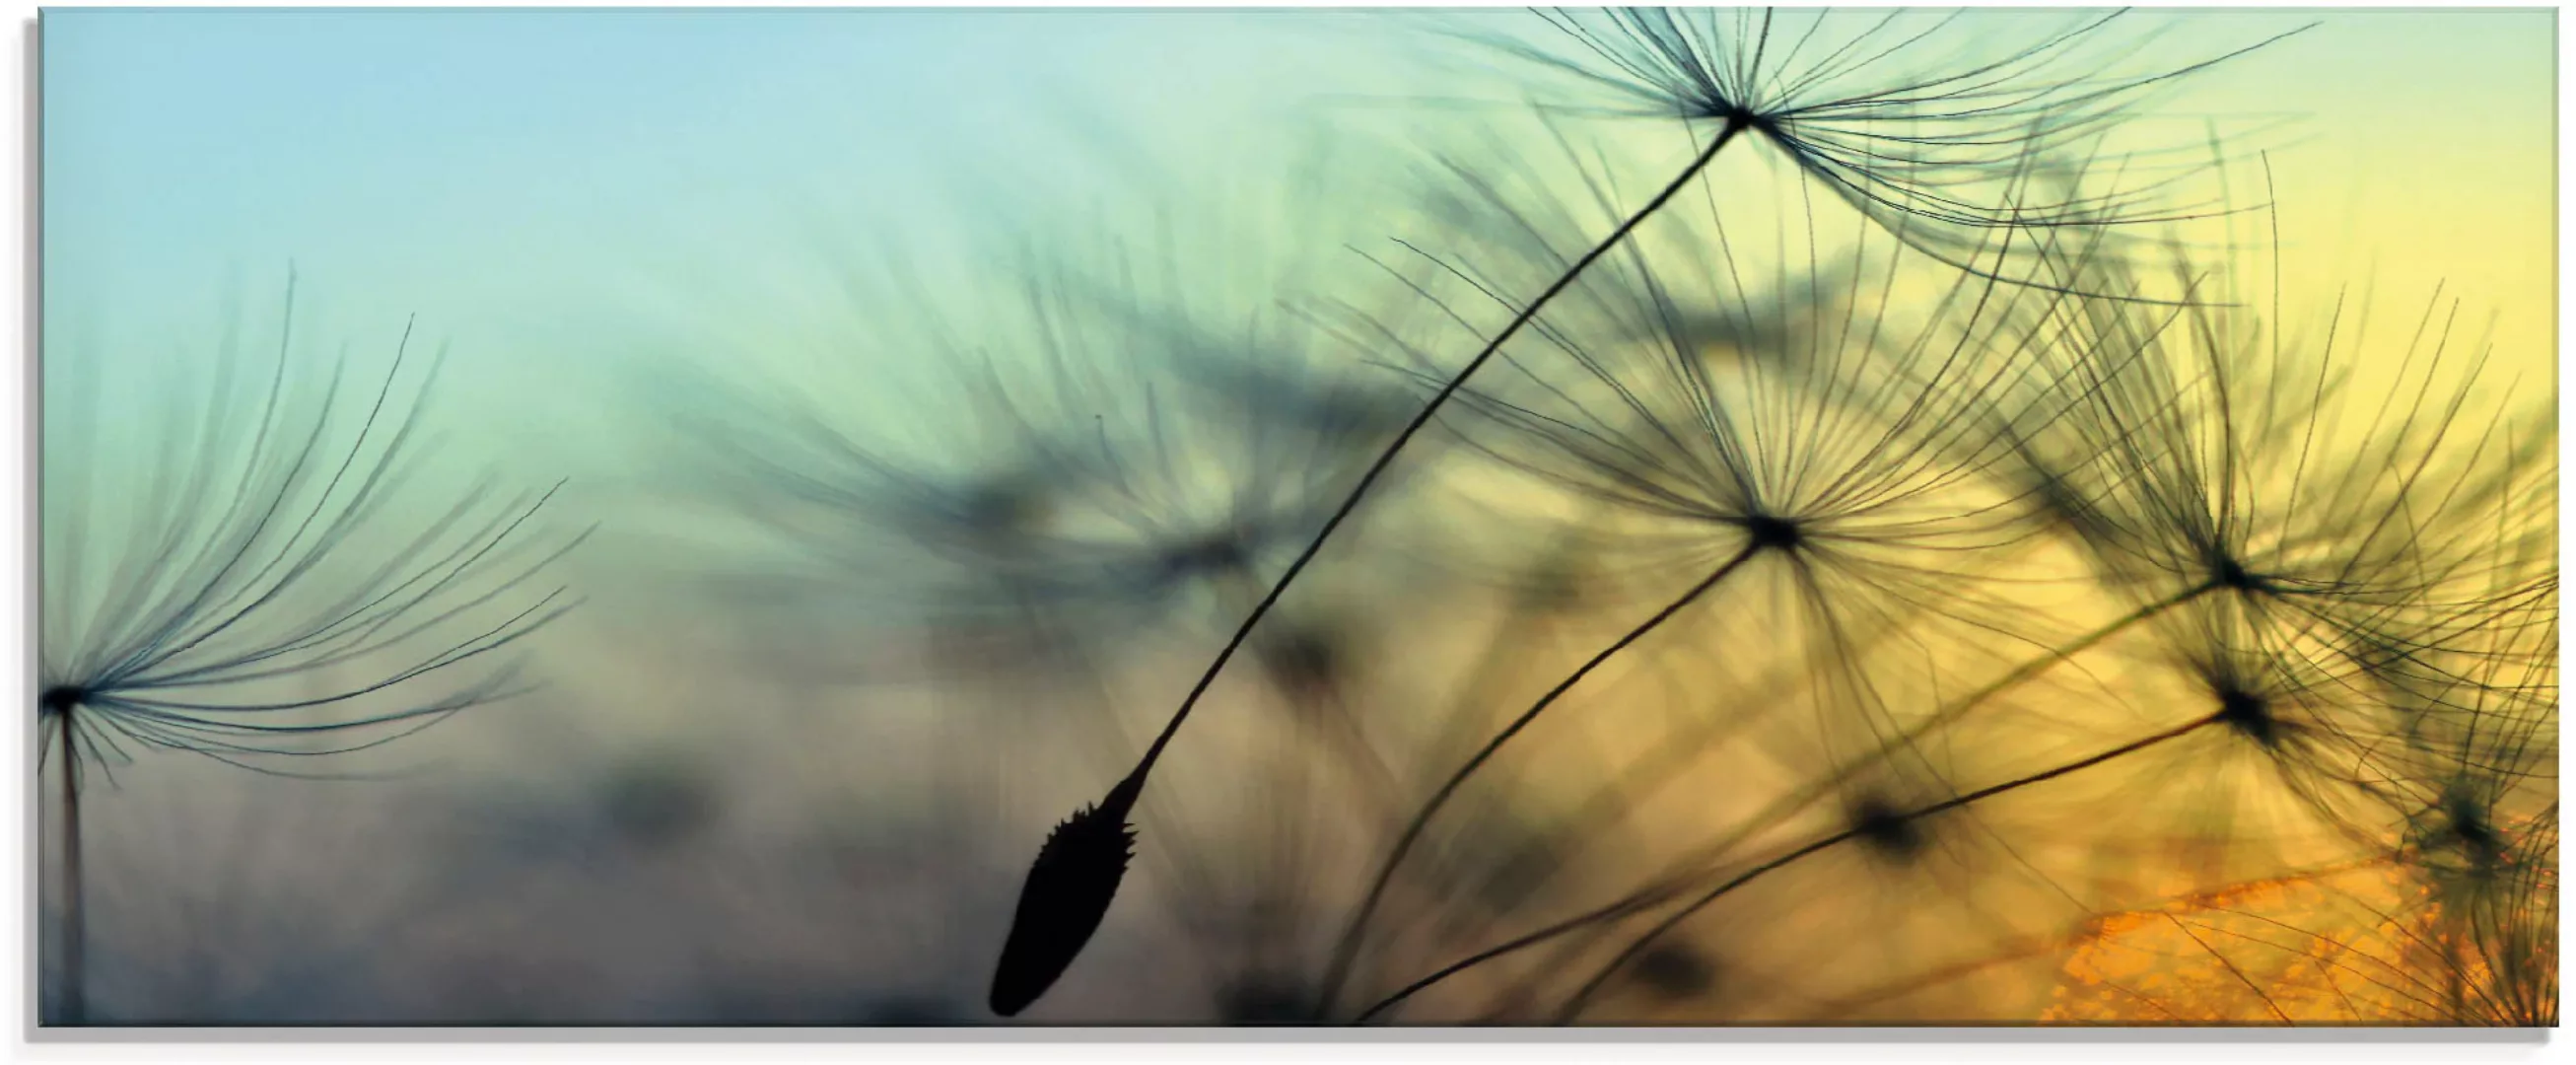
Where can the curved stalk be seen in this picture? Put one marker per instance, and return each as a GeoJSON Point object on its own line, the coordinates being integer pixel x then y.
{"type": "Point", "coordinates": [1657, 896]}
{"type": "Point", "coordinates": [1113, 809]}
{"type": "Point", "coordinates": [1387, 457]}
{"type": "Point", "coordinates": [1346, 952]}
{"type": "Point", "coordinates": [1583, 995]}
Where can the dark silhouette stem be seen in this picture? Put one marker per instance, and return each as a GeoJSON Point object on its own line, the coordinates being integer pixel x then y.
{"type": "Point", "coordinates": [1386, 458]}
{"type": "Point", "coordinates": [1961, 706]}
{"type": "Point", "coordinates": [1123, 797]}
{"type": "Point", "coordinates": [1637, 946]}
{"type": "Point", "coordinates": [1655, 897]}
{"type": "Point", "coordinates": [1347, 951]}
{"type": "Point", "coordinates": [75, 965]}
{"type": "Point", "coordinates": [1952, 712]}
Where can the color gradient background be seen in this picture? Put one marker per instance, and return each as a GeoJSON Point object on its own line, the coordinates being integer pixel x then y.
{"type": "Point", "coordinates": [571, 198]}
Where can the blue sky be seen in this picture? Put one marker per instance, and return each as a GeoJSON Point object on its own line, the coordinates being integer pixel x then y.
{"type": "Point", "coordinates": [526, 179]}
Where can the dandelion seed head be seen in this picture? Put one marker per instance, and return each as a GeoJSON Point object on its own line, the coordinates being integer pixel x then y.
{"type": "Point", "coordinates": [2468, 824]}
{"type": "Point", "coordinates": [2226, 572]}
{"type": "Point", "coordinates": [1006, 506]}
{"type": "Point", "coordinates": [1887, 831]}
{"type": "Point", "coordinates": [1771, 533]}
{"type": "Point", "coordinates": [1934, 126]}
{"type": "Point", "coordinates": [2249, 714]}
{"type": "Point", "coordinates": [1215, 553]}
{"type": "Point", "coordinates": [234, 612]}
{"type": "Point", "coordinates": [1306, 658]}
{"type": "Point", "coordinates": [1122, 441]}
{"type": "Point", "coordinates": [2461, 836]}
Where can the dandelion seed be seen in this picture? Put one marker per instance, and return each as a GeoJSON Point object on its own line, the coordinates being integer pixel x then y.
{"type": "Point", "coordinates": [1738, 117]}
{"type": "Point", "coordinates": [2208, 458]}
{"type": "Point", "coordinates": [178, 601]}
{"type": "Point", "coordinates": [1886, 830]}
{"type": "Point", "coordinates": [1830, 457]}
{"type": "Point", "coordinates": [1915, 120]}
{"type": "Point", "coordinates": [1125, 459]}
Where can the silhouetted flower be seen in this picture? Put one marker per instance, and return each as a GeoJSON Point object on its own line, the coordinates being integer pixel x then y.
{"type": "Point", "coordinates": [1928, 122]}
{"type": "Point", "coordinates": [1124, 463]}
{"type": "Point", "coordinates": [267, 542]}
{"type": "Point", "coordinates": [262, 587]}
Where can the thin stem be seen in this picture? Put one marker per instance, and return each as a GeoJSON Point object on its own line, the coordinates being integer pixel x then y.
{"type": "Point", "coordinates": [75, 965]}
{"type": "Point", "coordinates": [1637, 946]}
{"type": "Point", "coordinates": [1346, 952]}
{"type": "Point", "coordinates": [1521, 618]}
{"type": "Point", "coordinates": [1420, 419]}
{"type": "Point", "coordinates": [1656, 896]}
{"type": "Point", "coordinates": [1122, 798]}
{"type": "Point", "coordinates": [1961, 706]}
{"type": "Point", "coordinates": [1673, 753]}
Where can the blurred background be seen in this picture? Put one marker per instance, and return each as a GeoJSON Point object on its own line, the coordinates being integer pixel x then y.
{"type": "Point", "coordinates": [741, 794]}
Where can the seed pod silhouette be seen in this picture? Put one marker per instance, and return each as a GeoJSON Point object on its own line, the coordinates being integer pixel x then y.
{"type": "Point", "coordinates": [1069, 890]}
